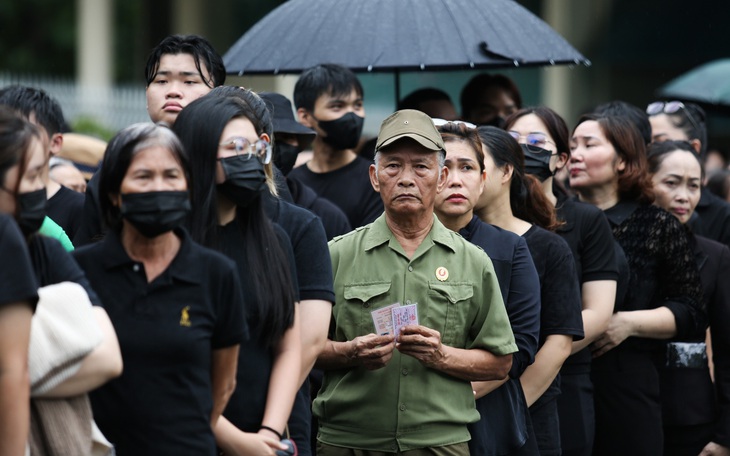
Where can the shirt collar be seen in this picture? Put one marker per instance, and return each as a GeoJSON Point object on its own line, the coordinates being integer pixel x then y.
{"type": "Point", "coordinates": [620, 212]}
{"type": "Point", "coordinates": [379, 233]}
{"type": "Point", "coordinates": [180, 268]}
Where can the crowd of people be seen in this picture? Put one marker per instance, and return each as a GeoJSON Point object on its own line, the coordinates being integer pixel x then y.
{"type": "Point", "coordinates": [241, 276]}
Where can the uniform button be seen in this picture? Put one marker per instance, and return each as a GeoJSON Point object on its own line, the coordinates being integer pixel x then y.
{"type": "Point", "coordinates": [398, 435]}
{"type": "Point", "coordinates": [410, 268]}
{"type": "Point", "coordinates": [135, 268]}
{"type": "Point", "coordinates": [402, 407]}
{"type": "Point", "coordinates": [404, 371]}
{"type": "Point", "coordinates": [366, 305]}
{"type": "Point", "coordinates": [408, 301]}
{"type": "Point", "coordinates": [394, 447]}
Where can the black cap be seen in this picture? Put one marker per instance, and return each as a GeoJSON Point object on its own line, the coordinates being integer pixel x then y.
{"type": "Point", "coordinates": [283, 117]}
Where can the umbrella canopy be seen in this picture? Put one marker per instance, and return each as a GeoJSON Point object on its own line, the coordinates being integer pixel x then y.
{"type": "Point", "coordinates": [708, 84]}
{"type": "Point", "coordinates": [398, 35]}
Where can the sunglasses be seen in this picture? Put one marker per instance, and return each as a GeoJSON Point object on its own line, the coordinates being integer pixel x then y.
{"type": "Point", "coordinates": [532, 139]}
{"type": "Point", "coordinates": [441, 122]}
{"type": "Point", "coordinates": [260, 149]}
{"type": "Point", "coordinates": [671, 107]}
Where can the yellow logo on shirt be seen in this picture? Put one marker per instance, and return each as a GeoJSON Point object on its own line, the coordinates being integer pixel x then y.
{"type": "Point", "coordinates": [185, 317]}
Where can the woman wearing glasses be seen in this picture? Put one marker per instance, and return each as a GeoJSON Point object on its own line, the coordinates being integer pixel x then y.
{"type": "Point", "coordinates": [231, 155]}
{"type": "Point", "coordinates": [663, 299]}
{"type": "Point", "coordinates": [696, 414]}
{"type": "Point", "coordinates": [677, 121]}
{"type": "Point", "coordinates": [514, 201]}
{"type": "Point", "coordinates": [543, 135]}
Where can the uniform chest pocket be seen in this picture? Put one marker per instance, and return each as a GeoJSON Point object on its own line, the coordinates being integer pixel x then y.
{"type": "Point", "coordinates": [452, 309]}
{"type": "Point", "coordinates": [362, 299]}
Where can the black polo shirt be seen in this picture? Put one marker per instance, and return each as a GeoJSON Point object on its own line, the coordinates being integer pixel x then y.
{"type": "Point", "coordinates": [17, 280]}
{"type": "Point", "coordinates": [167, 331]}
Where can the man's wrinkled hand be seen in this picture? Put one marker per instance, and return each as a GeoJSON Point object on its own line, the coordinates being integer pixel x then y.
{"type": "Point", "coordinates": [422, 343]}
{"type": "Point", "coordinates": [372, 351]}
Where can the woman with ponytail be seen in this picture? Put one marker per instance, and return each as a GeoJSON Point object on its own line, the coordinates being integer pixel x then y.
{"type": "Point", "coordinates": [514, 201]}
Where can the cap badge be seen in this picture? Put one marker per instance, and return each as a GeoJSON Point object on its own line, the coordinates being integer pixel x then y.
{"type": "Point", "coordinates": [442, 274]}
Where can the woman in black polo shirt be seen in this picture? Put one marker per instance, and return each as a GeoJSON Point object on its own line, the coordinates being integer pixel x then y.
{"type": "Point", "coordinates": [230, 147]}
{"type": "Point", "coordinates": [176, 306]}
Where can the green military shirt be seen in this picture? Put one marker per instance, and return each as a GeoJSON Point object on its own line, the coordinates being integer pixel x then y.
{"type": "Point", "coordinates": [406, 405]}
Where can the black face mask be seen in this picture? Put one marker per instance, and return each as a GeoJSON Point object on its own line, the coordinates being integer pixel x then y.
{"type": "Point", "coordinates": [245, 179]}
{"type": "Point", "coordinates": [285, 155]}
{"type": "Point", "coordinates": [31, 211]}
{"type": "Point", "coordinates": [155, 213]}
{"type": "Point", "coordinates": [343, 133]}
{"type": "Point", "coordinates": [537, 161]}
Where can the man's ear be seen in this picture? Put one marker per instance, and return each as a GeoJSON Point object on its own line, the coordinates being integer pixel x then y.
{"type": "Point", "coordinates": [305, 118]}
{"type": "Point", "coordinates": [56, 144]}
{"type": "Point", "coordinates": [443, 178]}
{"type": "Point", "coordinates": [374, 178]}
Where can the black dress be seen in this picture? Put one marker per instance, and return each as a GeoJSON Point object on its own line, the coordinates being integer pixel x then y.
{"type": "Point", "coordinates": [662, 272]}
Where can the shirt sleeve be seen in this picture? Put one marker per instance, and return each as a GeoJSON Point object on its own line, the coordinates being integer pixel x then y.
{"type": "Point", "coordinates": [313, 266]}
{"type": "Point", "coordinates": [678, 278]}
{"type": "Point", "coordinates": [17, 279]}
{"type": "Point", "coordinates": [523, 307]}
{"type": "Point", "coordinates": [61, 267]}
{"type": "Point", "coordinates": [598, 258]}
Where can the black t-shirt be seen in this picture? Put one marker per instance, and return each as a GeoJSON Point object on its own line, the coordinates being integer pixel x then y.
{"type": "Point", "coordinates": [559, 292]}
{"type": "Point", "coordinates": [309, 242]}
{"type": "Point", "coordinates": [334, 220]}
{"type": "Point", "coordinates": [502, 427]}
{"type": "Point", "coordinates": [66, 208]}
{"type": "Point", "coordinates": [591, 241]}
{"type": "Point", "coordinates": [17, 280]}
{"type": "Point", "coordinates": [349, 188]}
{"type": "Point", "coordinates": [246, 406]}
{"type": "Point", "coordinates": [52, 264]}
{"type": "Point", "coordinates": [167, 331]}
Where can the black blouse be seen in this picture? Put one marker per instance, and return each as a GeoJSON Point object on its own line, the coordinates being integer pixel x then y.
{"type": "Point", "coordinates": [662, 268]}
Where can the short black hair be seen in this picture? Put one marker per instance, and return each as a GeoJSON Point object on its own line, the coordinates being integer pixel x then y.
{"type": "Point", "coordinates": [326, 78]}
{"type": "Point", "coordinates": [29, 101]}
{"type": "Point", "coordinates": [415, 99]}
{"type": "Point", "coordinates": [198, 47]}
{"type": "Point", "coordinates": [633, 114]}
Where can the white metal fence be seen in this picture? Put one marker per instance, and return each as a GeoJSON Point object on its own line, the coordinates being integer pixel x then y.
{"type": "Point", "coordinates": [112, 109]}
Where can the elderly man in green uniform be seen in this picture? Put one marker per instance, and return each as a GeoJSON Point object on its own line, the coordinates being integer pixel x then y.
{"type": "Point", "coordinates": [390, 388]}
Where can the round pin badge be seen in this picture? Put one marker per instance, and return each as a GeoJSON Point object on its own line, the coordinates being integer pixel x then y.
{"type": "Point", "coordinates": [442, 273]}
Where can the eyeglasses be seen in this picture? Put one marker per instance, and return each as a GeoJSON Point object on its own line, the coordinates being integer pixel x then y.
{"type": "Point", "coordinates": [532, 139]}
{"type": "Point", "coordinates": [441, 122]}
{"type": "Point", "coordinates": [671, 107]}
{"type": "Point", "coordinates": [260, 149]}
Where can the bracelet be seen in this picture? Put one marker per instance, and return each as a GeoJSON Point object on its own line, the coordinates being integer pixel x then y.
{"type": "Point", "coordinates": [281, 437]}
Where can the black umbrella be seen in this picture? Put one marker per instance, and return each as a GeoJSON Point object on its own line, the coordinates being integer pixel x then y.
{"type": "Point", "coordinates": [398, 35]}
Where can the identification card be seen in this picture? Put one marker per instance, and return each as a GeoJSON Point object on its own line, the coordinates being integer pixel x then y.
{"type": "Point", "coordinates": [383, 319]}
{"type": "Point", "coordinates": [404, 316]}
